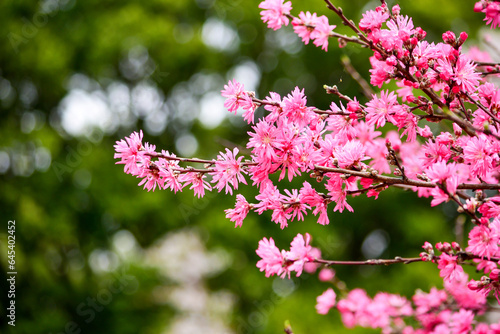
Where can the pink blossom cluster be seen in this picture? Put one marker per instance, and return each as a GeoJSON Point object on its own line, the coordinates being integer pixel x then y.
{"type": "Point", "coordinates": [347, 150]}
{"type": "Point", "coordinates": [451, 310]}
{"type": "Point", "coordinates": [280, 262]}
{"type": "Point", "coordinates": [162, 169]}
{"type": "Point", "coordinates": [491, 8]}
{"type": "Point", "coordinates": [308, 26]}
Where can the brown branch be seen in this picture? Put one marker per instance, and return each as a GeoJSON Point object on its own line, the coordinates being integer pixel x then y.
{"type": "Point", "coordinates": [372, 262]}
{"type": "Point", "coordinates": [389, 180]}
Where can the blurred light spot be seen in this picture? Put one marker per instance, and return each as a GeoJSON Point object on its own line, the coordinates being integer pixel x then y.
{"type": "Point", "coordinates": [137, 63]}
{"type": "Point", "coordinates": [76, 259]}
{"type": "Point", "coordinates": [183, 33]}
{"type": "Point", "coordinates": [375, 244]}
{"type": "Point", "coordinates": [82, 178]}
{"type": "Point", "coordinates": [28, 122]}
{"type": "Point", "coordinates": [201, 83]}
{"type": "Point", "coordinates": [212, 111]}
{"type": "Point", "coordinates": [43, 158]}
{"type": "Point", "coordinates": [124, 242]}
{"type": "Point", "coordinates": [283, 287]}
{"type": "Point", "coordinates": [186, 145]}
{"type": "Point", "coordinates": [7, 92]}
{"type": "Point", "coordinates": [81, 81]}
{"type": "Point", "coordinates": [248, 73]}
{"type": "Point", "coordinates": [22, 164]}
{"type": "Point", "coordinates": [103, 261]}
{"type": "Point", "coordinates": [4, 162]}
{"type": "Point", "coordinates": [145, 99]}
{"type": "Point", "coordinates": [156, 122]}
{"type": "Point", "coordinates": [204, 4]}
{"type": "Point", "coordinates": [81, 112]}
{"type": "Point", "coordinates": [284, 39]}
{"type": "Point", "coordinates": [268, 60]}
{"type": "Point", "coordinates": [28, 93]}
{"type": "Point", "coordinates": [218, 35]}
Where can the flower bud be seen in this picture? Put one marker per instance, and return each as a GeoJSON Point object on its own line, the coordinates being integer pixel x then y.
{"type": "Point", "coordinates": [474, 285]}
{"type": "Point", "coordinates": [456, 247]}
{"type": "Point", "coordinates": [428, 247]}
{"type": "Point", "coordinates": [396, 10]}
{"type": "Point", "coordinates": [326, 274]}
{"type": "Point", "coordinates": [494, 274]}
{"type": "Point", "coordinates": [463, 37]}
{"type": "Point", "coordinates": [449, 37]}
{"type": "Point", "coordinates": [446, 247]}
{"type": "Point", "coordinates": [478, 7]}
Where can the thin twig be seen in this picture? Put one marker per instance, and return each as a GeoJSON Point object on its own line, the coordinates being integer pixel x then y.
{"type": "Point", "coordinates": [366, 89]}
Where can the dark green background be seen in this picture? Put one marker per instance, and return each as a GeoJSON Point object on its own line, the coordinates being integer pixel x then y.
{"type": "Point", "coordinates": [71, 213]}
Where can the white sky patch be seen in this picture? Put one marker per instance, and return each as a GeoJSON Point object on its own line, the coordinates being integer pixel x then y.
{"type": "Point", "coordinates": [219, 36]}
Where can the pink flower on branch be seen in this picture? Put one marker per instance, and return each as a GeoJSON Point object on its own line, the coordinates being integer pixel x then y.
{"type": "Point", "coordinates": [239, 213]}
{"type": "Point", "coordinates": [275, 13]}
{"type": "Point", "coordinates": [228, 171]}
{"type": "Point", "coordinates": [449, 268]}
{"type": "Point", "coordinates": [131, 153]}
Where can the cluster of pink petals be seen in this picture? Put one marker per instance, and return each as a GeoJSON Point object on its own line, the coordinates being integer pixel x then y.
{"type": "Point", "coordinates": [439, 311]}
{"type": "Point", "coordinates": [282, 263]}
{"type": "Point", "coordinates": [336, 145]}
{"type": "Point", "coordinates": [275, 13]}
{"type": "Point", "coordinates": [491, 9]}
{"type": "Point", "coordinates": [311, 27]}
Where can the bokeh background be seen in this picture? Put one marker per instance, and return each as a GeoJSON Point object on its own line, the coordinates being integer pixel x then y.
{"type": "Point", "coordinates": [97, 254]}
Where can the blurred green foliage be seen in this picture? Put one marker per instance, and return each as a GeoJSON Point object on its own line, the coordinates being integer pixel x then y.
{"type": "Point", "coordinates": [156, 65]}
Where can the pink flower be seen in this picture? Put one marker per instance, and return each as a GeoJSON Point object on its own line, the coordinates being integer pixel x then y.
{"type": "Point", "coordinates": [325, 301]}
{"type": "Point", "coordinates": [380, 109]}
{"type": "Point", "coordinates": [233, 92]}
{"type": "Point", "coordinates": [275, 12]}
{"type": "Point", "coordinates": [477, 153]}
{"type": "Point", "coordinates": [131, 153]}
{"type": "Point", "coordinates": [295, 108]}
{"type": "Point", "coordinates": [238, 214]}
{"type": "Point", "coordinates": [321, 32]}
{"type": "Point", "coordinates": [461, 321]}
{"type": "Point", "coordinates": [373, 20]}
{"type": "Point", "coordinates": [228, 171]}
{"type": "Point", "coordinates": [465, 74]}
{"type": "Point", "coordinates": [198, 184]}
{"type": "Point", "coordinates": [326, 274]}
{"type": "Point", "coordinates": [450, 269]}
{"type": "Point", "coordinates": [299, 254]}
{"type": "Point", "coordinates": [271, 258]}
{"type": "Point", "coordinates": [492, 12]}
{"type": "Point", "coordinates": [483, 241]}
{"type": "Point", "coordinates": [443, 173]}
{"type": "Point", "coordinates": [264, 141]}
{"type": "Point", "coordinates": [304, 25]}
{"type": "Point", "coordinates": [351, 154]}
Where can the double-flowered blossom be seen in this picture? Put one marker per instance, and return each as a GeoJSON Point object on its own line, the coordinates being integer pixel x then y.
{"type": "Point", "coordinates": [362, 147]}
{"type": "Point", "coordinates": [275, 13]}
{"type": "Point", "coordinates": [282, 263]}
